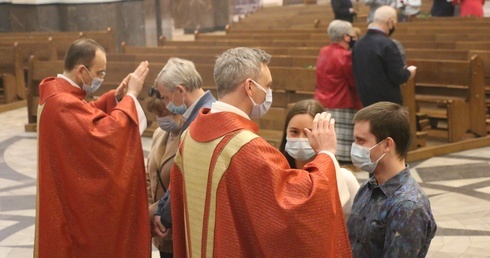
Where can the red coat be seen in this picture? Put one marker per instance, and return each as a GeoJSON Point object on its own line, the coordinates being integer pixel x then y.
{"type": "Point", "coordinates": [335, 86]}
{"type": "Point", "coordinates": [91, 199]}
{"type": "Point", "coordinates": [470, 7]}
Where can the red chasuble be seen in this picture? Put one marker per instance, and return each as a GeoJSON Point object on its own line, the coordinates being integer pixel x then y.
{"type": "Point", "coordinates": [92, 199]}
{"type": "Point", "coordinates": [234, 195]}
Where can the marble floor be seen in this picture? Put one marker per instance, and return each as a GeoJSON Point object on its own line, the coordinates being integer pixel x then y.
{"type": "Point", "coordinates": [458, 186]}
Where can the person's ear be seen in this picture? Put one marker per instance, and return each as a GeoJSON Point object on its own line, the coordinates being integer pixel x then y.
{"type": "Point", "coordinates": [181, 89]}
{"type": "Point", "coordinates": [347, 38]}
{"type": "Point", "coordinates": [79, 69]}
{"type": "Point", "coordinates": [389, 144]}
{"type": "Point", "coordinates": [248, 86]}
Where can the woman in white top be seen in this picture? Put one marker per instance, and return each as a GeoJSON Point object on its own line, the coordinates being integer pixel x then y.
{"type": "Point", "coordinates": [297, 150]}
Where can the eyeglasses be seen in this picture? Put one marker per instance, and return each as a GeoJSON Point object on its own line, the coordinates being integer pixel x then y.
{"type": "Point", "coordinates": [152, 91]}
{"type": "Point", "coordinates": [100, 74]}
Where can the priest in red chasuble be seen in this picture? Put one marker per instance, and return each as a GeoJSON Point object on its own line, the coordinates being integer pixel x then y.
{"type": "Point", "coordinates": [91, 194]}
{"type": "Point", "coordinates": [234, 195]}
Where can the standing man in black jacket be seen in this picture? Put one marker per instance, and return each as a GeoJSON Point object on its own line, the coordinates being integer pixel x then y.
{"type": "Point", "coordinates": [378, 66]}
{"type": "Point", "coordinates": [343, 10]}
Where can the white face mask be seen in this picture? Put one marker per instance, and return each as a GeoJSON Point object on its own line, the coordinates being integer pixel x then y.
{"type": "Point", "coordinates": [260, 110]}
{"type": "Point", "coordinates": [299, 148]}
{"type": "Point", "coordinates": [168, 124]}
{"type": "Point", "coordinates": [96, 82]}
{"type": "Point", "coordinates": [361, 157]}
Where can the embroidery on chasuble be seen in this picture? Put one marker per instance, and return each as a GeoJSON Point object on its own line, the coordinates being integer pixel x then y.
{"type": "Point", "coordinates": [204, 187]}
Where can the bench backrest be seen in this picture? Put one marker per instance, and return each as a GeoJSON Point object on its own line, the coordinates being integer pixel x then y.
{"type": "Point", "coordinates": [464, 79]}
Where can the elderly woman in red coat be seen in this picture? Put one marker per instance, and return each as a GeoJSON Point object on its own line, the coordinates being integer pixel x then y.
{"type": "Point", "coordinates": [470, 7]}
{"type": "Point", "coordinates": [335, 86]}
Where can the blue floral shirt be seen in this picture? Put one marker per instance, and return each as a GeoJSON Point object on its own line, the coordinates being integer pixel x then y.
{"type": "Point", "coordinates": [391, 220]}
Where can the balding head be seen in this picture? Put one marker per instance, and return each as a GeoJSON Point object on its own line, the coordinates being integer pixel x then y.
{"type": "Point", "coordinates": [384, 14]}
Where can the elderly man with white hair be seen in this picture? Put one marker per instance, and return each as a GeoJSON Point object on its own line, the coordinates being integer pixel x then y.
{"type": "Point", "coordinates": [336, 89]}
{"type": "Point", "coordinates": [379, 68]}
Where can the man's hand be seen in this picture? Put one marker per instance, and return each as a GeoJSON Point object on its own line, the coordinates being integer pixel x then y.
{"type": "Point", "coordinates": [413, 70]}
{"type": "Point", "coordinates": [120, 90]}
{"type": "Point", "coordinates": [137, 79]}
{"type": "Point", "coordinates": [157, 229]}
{"type": "Point", "coordinates": [322, 135]}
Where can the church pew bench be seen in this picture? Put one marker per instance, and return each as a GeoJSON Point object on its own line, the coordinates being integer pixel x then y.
{"type": "Point", "coordinates": [196, 49]}
{"type": "Point", "coordinates": [12, 84]}
{"type": "Point", "coordinates": [60, 38]}
{"type": "Point", "coordinates": [262, 36]}
{"type": "Point", "coordinates": [452, 91]}
{"type": "Point", "coordinates": [444, 54]}
{"type": "Point", "coordinates": [277, 60]}
{"type": "Point", "coordinates": [247, 43]}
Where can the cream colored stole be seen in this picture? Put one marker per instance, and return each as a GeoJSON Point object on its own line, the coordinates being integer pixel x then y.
{"type": "Point", "coordinates": [195, 167]}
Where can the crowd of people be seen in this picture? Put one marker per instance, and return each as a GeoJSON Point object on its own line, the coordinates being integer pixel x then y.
{"type": "Point", "coordinates": [211, 186]}
{"type": "Point", "coordinates": [408, 9]}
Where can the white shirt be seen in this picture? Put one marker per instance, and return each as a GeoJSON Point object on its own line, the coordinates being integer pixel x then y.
{"type": "Point", "coordinates": [219, 106]}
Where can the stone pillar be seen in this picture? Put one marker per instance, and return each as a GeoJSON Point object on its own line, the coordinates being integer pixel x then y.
{"type": "Point", "coordinates": [166, 20]}
{"type": "Point", "coordinates": [205, 15]}
{"type": "Point", "coordinates": [222, 14]}
{"type": "Point", "coordinates": [5, 17]}
{"type": "Point", "coordinates": [126, 18]}
{"type": "Point", "coordinates": [34, 18]}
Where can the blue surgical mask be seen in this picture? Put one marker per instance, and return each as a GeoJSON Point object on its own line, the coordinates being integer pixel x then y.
{"type": "Point", "coordinates": [299, 148]}
{"type": "Point", "coordinates": [96, 82]}
{"type": "Point", "coordinates": [260, 110]}
{"type": "Point", "coordinates": [179, 110]}
{"type": "Point", "coordinates": [168, 124]}
{"type": "Point", "coordinates": [361, 157]}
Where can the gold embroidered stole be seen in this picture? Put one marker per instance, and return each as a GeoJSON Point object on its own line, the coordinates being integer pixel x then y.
{"type": "Point", "coordinates": [201, 184]}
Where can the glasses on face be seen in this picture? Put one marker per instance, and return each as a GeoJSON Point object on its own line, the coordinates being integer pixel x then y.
{"type": "Point", "coordinates": [154, 92]}
{"type": "Point", "coordinates": [100, 74]}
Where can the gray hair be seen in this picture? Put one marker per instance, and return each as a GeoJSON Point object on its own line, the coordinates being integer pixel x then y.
{"type": "Point", "coordinates": [337, 29]}
{"type": "Point", "coordinates": [236, 65]}
{"type": "Point", "coordinates": [179, 71]}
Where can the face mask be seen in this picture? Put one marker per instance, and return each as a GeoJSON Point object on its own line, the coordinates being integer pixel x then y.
{"type": "Point", "coordinates": [361, 157]}
{"type": "Point", "coordinates": [96, 82]}
{"type": "Point", "coordinates": [351, 42]}
{"type": "Point", "coordinates": [168, 124]}
{"type": "Point", "coordinates": [392, 30]}
{"type": "Point", "coordinates": [260, 110]}
{"type": "Point", "coordinates": [179, 110]}
{"type": "Point", "coordinates": [299, 148]}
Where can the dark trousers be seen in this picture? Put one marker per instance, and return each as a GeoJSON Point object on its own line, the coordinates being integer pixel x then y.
{"type": "Point", "coordinates": [166, 255]}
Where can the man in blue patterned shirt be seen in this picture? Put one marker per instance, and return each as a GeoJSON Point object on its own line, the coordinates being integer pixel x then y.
{"type": "Point", "coordinates": [391, 215]}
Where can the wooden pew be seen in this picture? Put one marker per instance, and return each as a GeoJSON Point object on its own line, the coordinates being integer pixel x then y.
{"type": "Point", "coordinates": [262, 36]}
{"type": "Point", "coordinates": [196, 49]}
{"type": "Point", "coordinates": [12, 75]}
{"type": "Point", "coordinates": [438, 54]}
{"type": "Point", "coordinates": [247, 43]}
{"type": "Point", "coordinates": [38, 70]}
{"type": "Point", "coordinates": [452, 91]}
{"type": "Point", "coordinates": [43, 49]}
{"type": "Point", "coordinates": [60, 40]}
{"type": "Point", "coordinates": [277, 60]}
